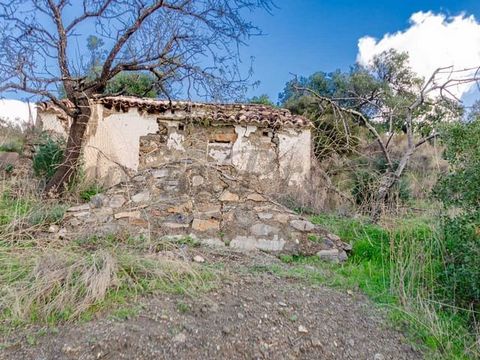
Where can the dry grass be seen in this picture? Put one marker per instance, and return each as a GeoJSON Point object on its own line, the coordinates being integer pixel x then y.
{"type": "Point", "coordinates": [64, 281]}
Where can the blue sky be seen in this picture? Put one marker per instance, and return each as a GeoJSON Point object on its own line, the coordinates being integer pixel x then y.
{"type": "Point", "coordinates": [303, 36]}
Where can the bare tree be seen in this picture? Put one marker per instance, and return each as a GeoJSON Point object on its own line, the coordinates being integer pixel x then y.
{"type": "Point", "coordinates": [436, 93]}
{"type": "Point", "coordinates": [192, 44]}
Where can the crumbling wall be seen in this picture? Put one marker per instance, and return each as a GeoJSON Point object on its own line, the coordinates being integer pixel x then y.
{"type": "Point", "coordinates": [50, 121]}
{"type": "Point", "coordinates": [118, 144]}
{"type": "Point", "coordinates": [210, 205]}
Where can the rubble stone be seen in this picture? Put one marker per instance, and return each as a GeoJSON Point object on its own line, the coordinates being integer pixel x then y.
{"type": "Point", "coordinates": [255, 197]}
{"type": "Point", "coordinates": [197, 180]}
{"type": "Point", "coordinates": [220, 211]}
{"type": "Point", "coordinates": [265, 216]}
{"type": "Point", "coordinates": [160, 173]}
{"type": "Point", "coordinates": [260, 229]}
{"type": "Point", "coordinates": [77, 208]}
{"type": "Point", "coordinates": [97, 201]}
{"type": "Point", "coordinates": [331, 255]}
{"type": "Point", "coordinates": [205, 225]}
{"type": "Point", "coordinates": [128, 214]}
{"type": "Point", "coordinates": [229, 196]}
{"type": "Point", "coordinates": [116, 201]}
{"type": "Point", "coordinates": [141, 197]}
{"type": "Point", "coordinates": [302, 225]}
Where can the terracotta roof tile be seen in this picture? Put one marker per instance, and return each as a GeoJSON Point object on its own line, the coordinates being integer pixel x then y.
{"type": "Point", "coordinates": [250, 114]}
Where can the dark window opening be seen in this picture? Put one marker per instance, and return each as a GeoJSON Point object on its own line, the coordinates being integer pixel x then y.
{"type": "Point", "coordinates": [217, 141]}
{"type": "Point", "coordinates": [181, 127]}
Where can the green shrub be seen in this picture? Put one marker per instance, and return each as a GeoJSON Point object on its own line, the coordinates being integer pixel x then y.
{"type": "Point", "coordinates": [90, 191]}
{"type": "Point", "coordinates": [48, 156]}
{"type": "Point", "coordinates": [12, 146]}
{"type": "Point", "coordinates": [366, 181]}
{"type": "Point", "coordinates": [461, 277]}
{"type": "Point", "coordinates": [47, 215]}
{"type": "Point", "coordinates": [9, 168]}
{"type": "Point", "coordinates": [459, 189]}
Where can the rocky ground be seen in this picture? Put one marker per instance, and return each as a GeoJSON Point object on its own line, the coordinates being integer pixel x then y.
{"type": "Point", "coordinates": [250, 315]}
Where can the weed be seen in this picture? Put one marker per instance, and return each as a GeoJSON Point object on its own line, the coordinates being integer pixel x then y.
{"type": "Point", "coordinates": [9, 168]}
{"type": "Point", "coordinates": [15, 145]}
{"type": "Point", "coordinates": [125, 312]}
{"type": "Point", "coordinates": [48, 157]}
{"type": "Point", "coordinates": [90, 191]}
{"type": "Point", "coordinates": [313, 238]}
{"type": "Point", "coordinates": [182, 307]}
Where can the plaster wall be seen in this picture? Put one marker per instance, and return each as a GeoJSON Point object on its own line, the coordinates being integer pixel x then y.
{"type": "Point", "coordinates": [120, 143]}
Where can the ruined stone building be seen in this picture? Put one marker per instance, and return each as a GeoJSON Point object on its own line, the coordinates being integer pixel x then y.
{"type": "Point", "coordinates": [201, 170]}
{"type": "Point", "coordinates": [129, 134]}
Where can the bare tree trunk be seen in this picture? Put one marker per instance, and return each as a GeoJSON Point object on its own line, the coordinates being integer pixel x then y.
{"type": "Point", "coordinates": [66, 171]}
{"type": "Point", "coordinates": [388, 180]}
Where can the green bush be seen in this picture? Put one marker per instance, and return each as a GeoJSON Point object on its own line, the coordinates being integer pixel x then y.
{"type": "Point", "coordinates": [366, 180]}
{"type": "Point", "coordinates": [12, 146]}
{"type": "Point", "coordinates": [461, 277]}
{"type": "Point", "coordinates": [459, 189]}
{"type": "Point", "coordinates": [90, 191]}
{"type": "Point", "coordinates": [48, 156]}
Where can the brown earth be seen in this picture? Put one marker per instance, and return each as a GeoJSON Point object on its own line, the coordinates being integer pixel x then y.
{"type": "Point", "coordinates": [250, 315]}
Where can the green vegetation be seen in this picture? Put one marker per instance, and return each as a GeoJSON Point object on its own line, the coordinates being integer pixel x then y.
{"type": "Point", "coordinates": [132, 84]}
{"type": "Point", "coordinates": [90, 191]}
{"type": "Point", "coordinates": [402, 268]}
{"type": "Point", "coordinates": [459, 190]}
{"type": "Point", "coordinates": [263, 99]}
{"type": "Point", "coordinates": [15, 145]}
{"type": "Point", "coordinates": [48, 156]}
{"type": "Point", "coordinates": [74, 280]}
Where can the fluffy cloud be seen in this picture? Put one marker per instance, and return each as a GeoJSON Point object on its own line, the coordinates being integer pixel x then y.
{"type": "Point", "coordinates": [17, 113]}
{"type": "Point", "coordinates": [432, 41]}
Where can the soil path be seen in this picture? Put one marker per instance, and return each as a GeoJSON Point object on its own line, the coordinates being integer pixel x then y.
{"type": "Point", "coordinates": [249, 316]}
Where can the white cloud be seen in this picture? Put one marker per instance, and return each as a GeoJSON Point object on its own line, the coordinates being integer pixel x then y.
{"type": "Point", "coordinates": [432, 41]}
{"type": "Point", "coordinates": [17, 113]}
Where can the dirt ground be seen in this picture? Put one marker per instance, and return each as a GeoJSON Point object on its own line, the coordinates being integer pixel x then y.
{"type": "Point", "coordinates": [250, 315]}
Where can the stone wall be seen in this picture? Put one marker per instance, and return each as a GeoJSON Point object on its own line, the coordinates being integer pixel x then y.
{"type": "Point", "coordinates": [210, 205]}
{"type": "Point", "coordinates": [119, 144]}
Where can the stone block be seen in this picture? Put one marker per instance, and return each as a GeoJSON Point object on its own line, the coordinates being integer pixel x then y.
{"type": "Point", "coordinates": [228, 196]}
{"type": "Point", "coordinates": [143, 196]}
{"type": "Point", "coordinates": [331, 255]}
{"type": "Point", "coordinates": [139, 222]}
{"type": "Point", "coordinates": [205, 225]}
{"type": "Point", "coordinates": [160, 173]}
{"type": "Point", "coordinates": [213, 242]}
{"type": "Point", "coordinates": [252, 243]}
{"type": "Point", "coordinates": [197, 180]}
{"type": "Point", "coordinates": [302, 225]}
{"type": "Point", "coordinates": [174, 225]}
{"type": "Point", "coordinates": [265, 216]}
{"type": "Point", "coordinates": [256, 197]}
{"type": "Point", "coordinates": [116, 201]}
{"type": "Point", "coordinates": [84, 207]}
{"type": "Point", "coordinates": [186, 207]}
{"type": "Point", "coordinates": [127, 214]}
{"type": "Point", "coordinates": [261, 229]}
{"type": "Point", "coordinates": [223, 137]}
{"type": "Point", "coordinates": [282, 218]}
{"type": "Point", "coordinates": [208, 211]}
{"type": "Point", "coordinates": [98, 200]}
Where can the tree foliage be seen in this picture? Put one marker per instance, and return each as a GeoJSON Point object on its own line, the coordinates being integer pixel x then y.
{"type": "Point", "coordinates": [460, 187]}
{"type": "Point", "coordinates": [263, 99]}
{"type": "Point", "coordinates": [373, 103]}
